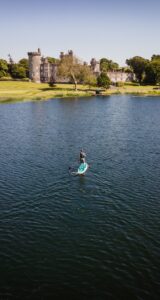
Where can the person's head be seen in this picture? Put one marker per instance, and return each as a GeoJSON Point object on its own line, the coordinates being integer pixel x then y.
{"type": "Point", "coordinates": [81, 150]}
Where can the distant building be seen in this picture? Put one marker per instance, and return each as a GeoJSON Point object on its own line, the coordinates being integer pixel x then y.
{"type": "Point", "coordinates": [40, 70]}
{"type": "Point", "coordinates": [95, 66]}
{"type": "Point", "coordinates": [69, 54]}
{"type": "Point", "coordinates": [34, 65]}
{"type": "Point", "coordinates": [120, 76]}
{"type": "Point", "coordinates": [115, 75]}
{"type": "Point", "coordinates": [47, 71]}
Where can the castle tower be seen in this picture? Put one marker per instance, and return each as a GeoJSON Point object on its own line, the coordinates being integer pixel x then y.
{"type": "Point", "coordinates": [70, 53]}
{"type": "Point", "coordinates": [34, 65]}
{"type": "Point", "coordinates": [95, 66]}
{"type": "Point", "coordinates": [61, 55]}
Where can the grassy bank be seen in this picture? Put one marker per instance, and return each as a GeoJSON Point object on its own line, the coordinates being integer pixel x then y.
{"type": "Point", "coordinates": [17, 91]}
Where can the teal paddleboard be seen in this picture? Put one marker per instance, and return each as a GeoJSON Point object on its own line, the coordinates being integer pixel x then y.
{"type": "Point", "coordinates": [82, 168]}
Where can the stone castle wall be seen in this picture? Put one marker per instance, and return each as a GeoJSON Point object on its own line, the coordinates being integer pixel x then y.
{"type": "Point", "coordinates": [120, 76]}
{"type": "Point", "coordinates": [40, 70]}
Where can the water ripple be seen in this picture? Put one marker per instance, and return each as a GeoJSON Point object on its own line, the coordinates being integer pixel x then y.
{"type": "Point", "coordinates": [92, 237]}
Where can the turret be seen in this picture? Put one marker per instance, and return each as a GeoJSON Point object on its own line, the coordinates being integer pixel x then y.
{"type": "Point", "coordinates": [95, 66]}
{"type": "Point", "coordinates": [61, 55]}
{"type": "Point", "coordinates": [34, 65]}
{"type": "Point", "coordinates": [70, 53]}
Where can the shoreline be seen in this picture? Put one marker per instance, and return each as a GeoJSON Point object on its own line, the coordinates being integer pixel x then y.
{"type": "Point", "coordinates": [12, 92]}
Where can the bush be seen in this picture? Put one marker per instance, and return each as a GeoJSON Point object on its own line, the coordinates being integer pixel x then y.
{"type": "Point", "coordinates": [103, 80]}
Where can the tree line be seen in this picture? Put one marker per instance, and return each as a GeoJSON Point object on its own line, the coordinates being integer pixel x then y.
{"type": "Point", "coordinates": [18, 70]}
{"type": "Point", "coordinates": [146, 71]}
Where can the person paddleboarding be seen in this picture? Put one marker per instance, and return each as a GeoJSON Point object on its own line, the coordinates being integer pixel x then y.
{"type": "Point", "coordinates": [83, 165]}
{"type": "Point", "coordinates": [82, 156]}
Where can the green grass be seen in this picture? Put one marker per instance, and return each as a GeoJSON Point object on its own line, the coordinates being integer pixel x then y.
{"type": "Point", "coordinates": [11, 91]}
{"type": "Point", "coordinates": [18, 91]}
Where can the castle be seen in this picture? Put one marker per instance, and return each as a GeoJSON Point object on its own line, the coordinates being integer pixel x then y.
{"type": "Point", "coordinates": [41, 70]}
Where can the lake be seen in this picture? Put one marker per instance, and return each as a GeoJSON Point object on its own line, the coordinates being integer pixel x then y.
{"type": "Point", "coordinates": [90, 237]}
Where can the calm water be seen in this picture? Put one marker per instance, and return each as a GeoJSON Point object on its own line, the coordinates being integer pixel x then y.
{"type": "Point", "coordinates": [91, 237]}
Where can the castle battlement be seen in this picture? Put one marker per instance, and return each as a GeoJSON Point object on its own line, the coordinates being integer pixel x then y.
{"type": "Point", "coordinates": [34, 54]}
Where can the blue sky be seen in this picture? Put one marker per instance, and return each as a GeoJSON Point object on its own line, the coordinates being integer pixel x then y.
{"type": "Point", "coordinates": [114, 29]}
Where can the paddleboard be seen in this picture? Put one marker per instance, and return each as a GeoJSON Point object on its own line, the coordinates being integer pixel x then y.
{"type": "Point", "coordinates": [82, 168]}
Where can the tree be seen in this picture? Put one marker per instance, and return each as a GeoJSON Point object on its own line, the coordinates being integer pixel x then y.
{"type": "Point", "coordinates": [3, 68]}
{"type": "Point", "coordinates": [69, 67]}
{"type": "Point", "coordinates": [86, 75]}
{"type": "Point", "coordinates": [90, 79]}
{"type": "Point", "coordinates": [153, 72]}
{"type": "Point", "coordinates": [138, 65]}
{"type": "Point", "coordinates": [52, 60]}
{"type": "Point", "coordinates": [18, 71]}
{"type": "Point", "coordinates": [25, 64]}
{"type": "Point", "coordinates": [155, 57]}
{"type": "Point", "coordinates": [103, 80]}
{"type": "Point", "coordinates": [108, 65]}
{"type": "Point", "coordinates": [155, 60]}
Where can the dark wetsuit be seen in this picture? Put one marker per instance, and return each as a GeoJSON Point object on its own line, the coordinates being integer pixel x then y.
{"type": "Point", "coordinates": [82, 157]}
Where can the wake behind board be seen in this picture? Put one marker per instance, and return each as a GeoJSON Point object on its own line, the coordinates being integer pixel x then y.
{"type": "Point", "coordinates": [82, 168]}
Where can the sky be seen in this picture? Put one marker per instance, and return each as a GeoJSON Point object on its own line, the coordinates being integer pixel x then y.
{"type": "Point", "coordinates": [115, 29]}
